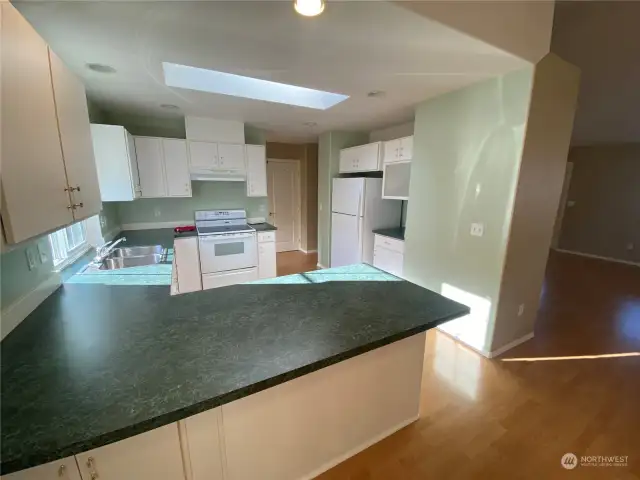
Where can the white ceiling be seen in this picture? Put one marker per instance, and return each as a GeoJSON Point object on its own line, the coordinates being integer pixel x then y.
{"type": "Point", "coordinates": [601, 37]}
{"type": "Point", "coordinates": [352, 48]}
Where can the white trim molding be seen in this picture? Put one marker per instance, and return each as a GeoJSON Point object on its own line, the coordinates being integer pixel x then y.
{"type": "Point", "coordinates": [322, 267]}
{"type": "Point", "coordinates": [152, 225]}
{"type": "Point", "coordinates": [21, 308]}
{"type": "Point", "coordinates": [511, 345]}
{"type": "Point", "coordinates": [308, 251]}
{"type": "Point", "coordinates": [597, 257]}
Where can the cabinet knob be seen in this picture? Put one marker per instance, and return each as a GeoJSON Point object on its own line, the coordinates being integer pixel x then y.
{"type": "Point", "coordinates": [62, 470]}
{"type": "Point", "coordinates": [75, 205]}
{"type": "Point", "coordinates": [72, 189]}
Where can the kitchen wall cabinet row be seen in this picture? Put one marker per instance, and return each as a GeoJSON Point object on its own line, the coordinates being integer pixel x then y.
{"type": "Point", "coordinates": [363, 158]}
{"type": "Point", "coordinates": [49, 177]}
{"type": "Point", "coordinates": [164, 167]}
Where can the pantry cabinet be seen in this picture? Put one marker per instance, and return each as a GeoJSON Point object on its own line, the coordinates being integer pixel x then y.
{"type": "Point", "coordinates": [117, 163]}
{"type": "Point", "coordinates": [45, 131]}
{"type": "Point", "coordinates": [256, 171]}
{"type": "Point", "coordinates": [149, 456]}
{"type": "Point", "coordinates": [363, 158]}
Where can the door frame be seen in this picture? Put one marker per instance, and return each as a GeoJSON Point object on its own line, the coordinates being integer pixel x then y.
{"type": "Point", "coordinates": [297, 228]}
{"type": "Point", "coordinates": [562, 206]}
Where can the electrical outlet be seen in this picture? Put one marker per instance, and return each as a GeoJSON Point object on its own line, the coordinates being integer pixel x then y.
{"type": "Point", "coordinates": [156, 212]}
{"type": "Point", "coordinates": [477, 229]}
{"type": "Point", "coordinates": [103, 221]}
{"type": "Point", "coordinates": [521, 309]}
{"type": "Point", "coordinates": [31, 258]}
{"type": "Point", "coordinates": [43, 252]}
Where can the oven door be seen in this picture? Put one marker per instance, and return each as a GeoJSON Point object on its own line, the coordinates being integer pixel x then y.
{"type": "Point", "coordinates": [220, 253]}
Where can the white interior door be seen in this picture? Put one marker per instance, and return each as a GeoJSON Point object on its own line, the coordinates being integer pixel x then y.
{"type": "Point", "coordinates": [346, 233]}
{"type": "Point", "coordinates": [284, 202]}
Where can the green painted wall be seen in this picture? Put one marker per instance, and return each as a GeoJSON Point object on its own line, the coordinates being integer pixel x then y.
{"type": "Point", "coordinates": [206, 196]}
{"type": "Point", "coordinates": [467, 152]}
{"type": "Point", "coordinates": [15, 277]}
{"type": "Point", "coordinates": [329, 146]}
{"type": "Point", "coordinates": [110, 214]}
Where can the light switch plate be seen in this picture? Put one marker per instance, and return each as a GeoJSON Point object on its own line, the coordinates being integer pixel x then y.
{"type": "Point", "coordinates": [477, 229]}
{"type": "Point", "coordinates": [156, 212]}
{"type": "Point", "coordinates": [43, 252]}
{"type": "Point", "coordinates": [521, 309]}
{"type": "Point", "coordinates": [31, 258]}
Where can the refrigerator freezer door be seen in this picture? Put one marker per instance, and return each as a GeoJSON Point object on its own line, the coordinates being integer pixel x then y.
{"type": "Point", "coordinates": [347, 196]}
{"type": "Point", "coordinates": [346, 239]}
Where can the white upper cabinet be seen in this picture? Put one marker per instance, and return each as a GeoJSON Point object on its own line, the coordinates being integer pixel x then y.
{"type": "Point", "coordinates": [63, 469]}
{"type": "Point", "coordinates": [75, 136]}
{"type": "Point", "coordinates": [152, 455]}
{"type": "Point", "coordinates": [115, 154]}
{"type": "Point", "coordinates": [364, 158]}
{"type": "Point", "coordinates": [231, 157]}
{"type": "Point", "coordinates": [34, 136]}
{"type": "Point", "coordinates": [151, 167]}
{"type": "Point", "coordinates": [203, 155]}
{"type": "Point", "coordinates": [176, 163]}
{"type": "Point", "coordinates": [398, 150]}
{"type": "Point", "coordinates": [256, 171]}
{"type": "Point", "coordinates": [395, 180]}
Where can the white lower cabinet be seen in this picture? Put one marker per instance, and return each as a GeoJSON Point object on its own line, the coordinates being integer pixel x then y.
{"type": "Point", "coordinates": [388, 254]}
{"type": "Point", "coordinates": [151, 455]}
{"type": "Point", "coordinates": [232, 277]}
{"type": "Point", "coordinates": [267, 255]}
{"type": "Point", "coordinates": [186, 261]}
{"type": "Point", "coordinates": [63, 469]}
{"type": "Point", "coordinates": [202, 442]}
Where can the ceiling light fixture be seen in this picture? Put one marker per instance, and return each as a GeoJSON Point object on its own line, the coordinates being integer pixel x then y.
{"type": "Point", "coordinates": [100, 68]}
{"type": "Point", "coordinates": [212, 81]}
{"type": "Point", "coordinates": [309, 8]}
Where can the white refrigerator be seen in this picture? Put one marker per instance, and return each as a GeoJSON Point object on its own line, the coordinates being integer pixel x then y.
{"type": "Point", "coordinates": [357, 208]}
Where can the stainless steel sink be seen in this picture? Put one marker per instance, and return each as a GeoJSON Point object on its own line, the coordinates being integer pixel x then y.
{"type": "Point", "coordinates": [116, 262]}
{"type": "Point", "coordinates": [137, 251]}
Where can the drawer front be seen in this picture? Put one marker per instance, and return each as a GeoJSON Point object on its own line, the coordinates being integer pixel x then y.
{"type": "Point", "coordinates": [266, 237]}
{"type": "Point", "coordinates": [389, 243]}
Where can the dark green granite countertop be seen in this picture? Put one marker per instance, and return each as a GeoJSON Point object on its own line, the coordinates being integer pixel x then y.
{"type": "Point", "coordinates": [395, 232]}
{"type": "Point", "coordinates": [263, 227]}
{"type": "Point", "coordinates": [95, 364]}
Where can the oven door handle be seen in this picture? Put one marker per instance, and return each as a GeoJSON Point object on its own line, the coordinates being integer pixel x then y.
{"type": "Point", "coordinates": [216, 239]}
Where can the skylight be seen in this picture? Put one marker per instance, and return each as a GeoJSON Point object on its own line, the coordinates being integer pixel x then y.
{"type": "Point", "coordinates": [201, 79]}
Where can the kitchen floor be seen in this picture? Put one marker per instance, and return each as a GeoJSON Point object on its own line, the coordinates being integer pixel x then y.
{"type": "Point", "coordinates": [573, 388]}
{"type": "Point", "coordinates": [295, 261]}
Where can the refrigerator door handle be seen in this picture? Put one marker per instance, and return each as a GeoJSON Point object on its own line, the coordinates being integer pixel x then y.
{"type": "Point", "coordinates": [360, 213]}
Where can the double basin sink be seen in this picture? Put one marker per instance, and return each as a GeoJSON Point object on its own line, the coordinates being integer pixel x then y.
{"type": "Point", "coordinates": [133, 257]}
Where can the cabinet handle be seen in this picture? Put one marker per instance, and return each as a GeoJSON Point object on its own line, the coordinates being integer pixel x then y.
{"type": "Point", "coordinates": [72, 189]}
{"type": "Point", "coordinates": [62, 470]}
{"type": "Point", "coordinates": [75, 205]}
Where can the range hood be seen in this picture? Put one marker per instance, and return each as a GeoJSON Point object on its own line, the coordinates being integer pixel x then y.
{"type": "Point", "coordinates": [218, 176]}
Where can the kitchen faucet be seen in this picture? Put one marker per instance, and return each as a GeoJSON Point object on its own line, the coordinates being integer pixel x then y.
{"type": "Point", "coordinates": [103, 251]}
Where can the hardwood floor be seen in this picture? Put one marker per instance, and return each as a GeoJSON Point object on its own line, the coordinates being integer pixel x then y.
{"type": "Point", "coordinates": [295, 261]}
{"type": "Point", "coordinates": [510, 418]}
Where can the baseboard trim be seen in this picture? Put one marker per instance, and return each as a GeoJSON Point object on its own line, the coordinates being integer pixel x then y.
{"type": "Point", "coordinates": [153, 225]}
{"type": "Point", "coordinates": [308, 251]}
{"type": "Point", "coordinates": [111, 234]}
{"type": "Point", "coordinates": [321, 266]}
{"type": "Point", "coordinates": [493, 353]}
{"type": "Point", "coordinates": [21, 308]}
{"type": "Point", "coordinates": [597, 257]}
{"type": "Point", "coordinates": [363, 446]}
{"type": "Point", "coordinates": [511, 345]}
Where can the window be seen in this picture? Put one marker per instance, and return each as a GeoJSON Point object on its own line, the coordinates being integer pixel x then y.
{"type": "Point", "coordinates": [67, 244]}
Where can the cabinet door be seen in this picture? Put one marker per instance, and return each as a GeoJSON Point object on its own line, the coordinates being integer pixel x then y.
{"type": "Point", "coordinates": [388, 260]}
{"type": "Point", "coordinates": [34, 183]}
{"type": "Point", "coordinates": [149, 456]}
{"type": "Point", "coordinates": [348, 160]}
{"type": "Point", "coordinates": [368, 157]}
{"type": "Point", "coordinates": [267, 260]}
{"type": "Point", "coordinates": [203, 155]}
{"type": "Point", "coordinates": [406, 148]}
{"type": "Point", "coordinates": [133, 164]}
{"type": "Point", "coordinates": [231, 156]}
{"type": "Point", "coordinates": [395, 181]}
{"type": "Point", "coordinates": [203, 432]}
{"type": "Point", "coordinates": [187, 264]}
{"type": "Point", "coordinates": [391, 150]}
{"type": "Point", "coordinates": [151, 167]}
{"type": "Point", "coordinates": [75, 136]}
{"type": "Point", "coordinates": [256, 171]}
{"type": "Point", "coordinates": [63, 469]}
{"type": "Point", "coordinates": [112, 155]}
{"type": "Point", "coordinates": [176, 166]}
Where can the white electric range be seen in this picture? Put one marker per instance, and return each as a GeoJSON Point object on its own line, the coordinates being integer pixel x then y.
{"type": "Point", "coordinates": [228, 248]}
